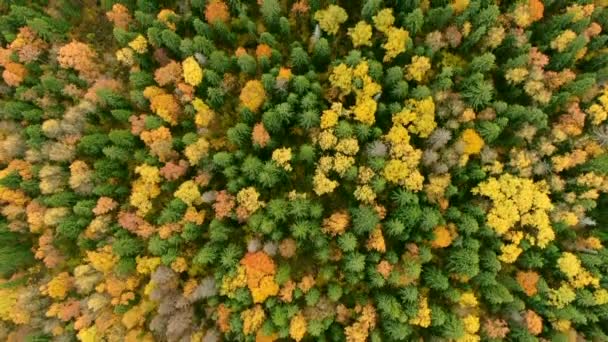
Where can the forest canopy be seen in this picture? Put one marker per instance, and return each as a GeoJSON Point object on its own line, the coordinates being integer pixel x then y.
{"type": "Point", "coordinates": [310, 170]}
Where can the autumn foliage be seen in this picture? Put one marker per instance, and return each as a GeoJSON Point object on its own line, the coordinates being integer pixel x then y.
{"type": "Point", "coordinates": [303, 170]}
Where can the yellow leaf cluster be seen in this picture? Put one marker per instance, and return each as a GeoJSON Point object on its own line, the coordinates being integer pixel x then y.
{"type": "Point", "coordinates": [473, 143]}
{"type": "Point", "coordinates": [282, 156]}
{"type": "Point", "coordinates": [365, 106]}
{"type": "Point", "coordinates": [89, 334]}
{"type": "Point", "coordinates": [8, 301]}
{"type": "Point", "coordinates": [418, 68]}
{"type": "Point", "coordinates": [468, 299]}
{"type": "Point", "coordinates": [103, 260]}
{"type": "Point", "coordinates": [436, 187]}
{"type": "Point", "coordinates": [361, 34]}
{"type": "Point", "coordinates": [145, 188]}
{"type": "Point", "coordinates": [509, 253]}
{"type": "Point", "coordinates": [578, 277]}
{"type": "Point", "coordinates": [322, 184]}
{"type": "Point", "coordinates": [330, 18]}
{"type": "Point", "coordinates": [471, 323]}
{"type": "Point", "coordinates": [561, 297]}
{"type": "Point", "coordinates": [162, 104]}
{"type": "Point", "coordinates": [365, 194]}
{"type": "Point", "coordinates": [384, 20]}
{"type": "Point", "coordinates": [359, 331]}
{"type": "Point", "coordinates": [329, 118]}
{"type": "Point", "coordinates": [599, 111]}
{"type": "Point", "coordinates": [136, 316]}
{"type": "Point", "coordinates": [561, 42]}
{"type": "Point", "coordinates": [188, 192]}
{"type": "Point", "coordinates": [59, 286]}
{"type": "Point", "coordinates": [253, 319]}
{"type": "Point", "coordinates": [517, 203]}
{"type": "Point", "coordinates": [204, 114]}
{"type": "Point", "coordinates": [248, 198]}
{"type": "Point", "coordinates": [297, 327]}
{"type": "Point", "coordinates": [139, 44]}
{"type": "Point", "coordinates": [460, 5]}
{"type": "Point", "coordinates": [365, 110]}
{"type": "Point", "coordinates": [600, 296]}
{"type": "Point", "coordinates": [253, 95]}
{"type": "Point", "coordinates": [424, 120]}
{"type": "Point", "coordinates": [516, 75]}
{"type": "Point", "coordinates": [341, 77]}
{"type": "Point", "coordinates": [147, 265]}
{"type": "Point", "coordinates": [396, 42]}
{"type": "Point", "coordinates": [404, 171]}
{"type": "Point", "coordinates": [423, 318]}
{"type": "Point", "coordinates": [125, 56]}
{"type": "Point", "coordinates": [167, 16]}
{"type": "Point", "coordinates": [402, 168]}
{"type": "Point", "coordinates": [193, 73]}
{"type": "Point", "coordinates": [342, 163]}
{"type": "Point", "coordinates": [196, 151]}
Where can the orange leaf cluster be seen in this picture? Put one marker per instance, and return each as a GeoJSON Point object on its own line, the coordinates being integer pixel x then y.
{"type": "Point", "coordinates": [120, 290]}
{"type": "Point", "coordinates": [376, 241]}
{"type": "Point", "coordinates": [534, 322]}
{"type": "Point", "coordinates": [240, 51]}
{"type": "Point", "coordinates": [217, 10]}
{"type": "Point", "coordinates": [573, 122]}
{"type": "Point", "coordinates": [337, 223]}
{"type": "Point", "coordinates": [27, 45]}
{"type": "Point", "coordinates": [384, 268]}
{"type": "Point", "coordinates": [223, 318]}
{"type": "Point", "coordinates": [287, 248]}
{"type": "Point", "coordinates": [163, 104]}
{"type": "Point", "coordinates": [224, 203]}
{"type": "Point", "coordinates": [260, 135]}
{"type": "Point", "coordinates": [120, 16]}
{"type": "Point", "coordinates": [496, 328]}
{"type": "Point", "coordinates": [23, 167]}
{"type": "Point", "coordinates": [260, 270]}
{"type": "Point", "coordinates": [138, 123]}
{"type": "Point", "coordinates": [80, 57]}
{"type": "Point", "coordinates": [103, 83]}
{"type": "Point", "coordinates": [286, 293]}
{"type": "Point", "coordinates": [104, 205]}
{"type": "Point", "coordinates": [169, 73]}
{"type": "Point", "coordinates": [47, 251]}
{"type": "Point", "coordinates": [443, 237]}
{"type": "Point", "coordinates": [528, 281]}
{"type": "Point", "coordinates": [160, 143]}
{"type": "Point", "coordinates": [263, 50]}
{"type": "Point", "coordinates": [135, 224]}
{"type": "Point", "coordinates": [536, 8]}
{"type": "Point", "coordinates": [64, 311]}
{"type": "Point", "coordinates": [14, 73]}
{"type": "Point", "coordinates": [35, 216]}
{"type": "Point", "coordinates": [300, 7]}
{"type": "Point", "coordinates": [306, 283]}
{"type": "Point", "coordinates": [555, 79]}
{"type": "Point", "coordinates": [174, 170]}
